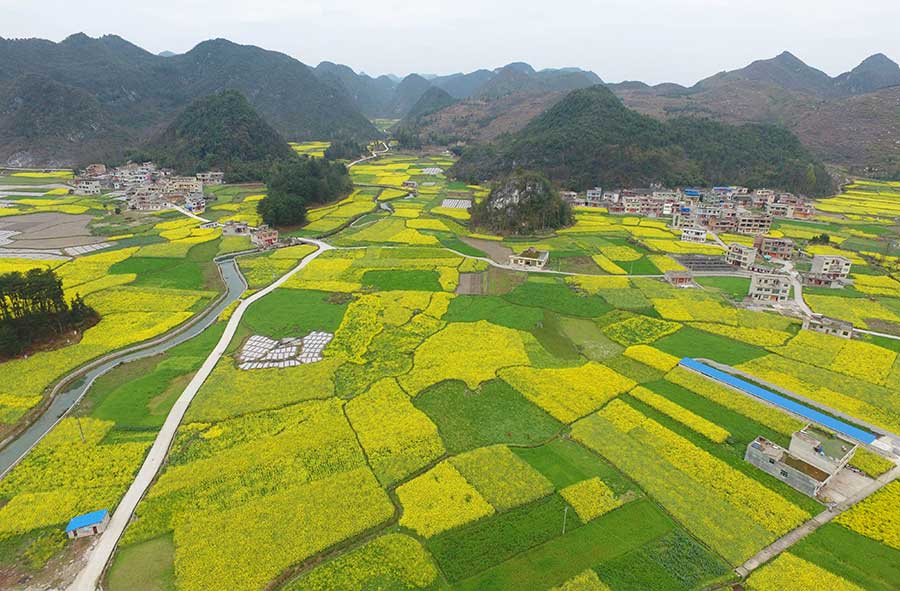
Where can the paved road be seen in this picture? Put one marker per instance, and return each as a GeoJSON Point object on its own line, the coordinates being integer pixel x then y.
{"type": "Point", "coordinates": [89, 577]}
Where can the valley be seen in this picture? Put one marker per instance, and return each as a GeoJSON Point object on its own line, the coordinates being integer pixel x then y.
{"type": "Point", "coordinates": [453, 437]}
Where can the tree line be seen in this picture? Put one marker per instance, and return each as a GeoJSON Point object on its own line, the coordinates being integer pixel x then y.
{"type": "Point", "coordinates": [33, 308]}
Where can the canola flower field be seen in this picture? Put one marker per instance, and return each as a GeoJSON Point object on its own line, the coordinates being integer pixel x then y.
{"type": "Point", "coordinates": [538, 434]}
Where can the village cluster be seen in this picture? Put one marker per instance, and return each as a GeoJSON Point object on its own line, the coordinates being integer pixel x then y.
{"type": "Point", "coordinates": [146, 187]}
{"type": "Point", "coordinates": [703, 213]}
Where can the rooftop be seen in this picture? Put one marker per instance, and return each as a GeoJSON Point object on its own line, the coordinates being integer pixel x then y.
{"type": "Point", "coordinates": [92, 518]}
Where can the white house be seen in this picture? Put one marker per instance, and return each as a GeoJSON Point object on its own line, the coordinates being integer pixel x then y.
{"type": "Point", "coordinates": [693, 234]}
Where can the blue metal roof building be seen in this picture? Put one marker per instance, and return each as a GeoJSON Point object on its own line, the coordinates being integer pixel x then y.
{"type": "Point", "coordinates": [87, 520]}
{"type": "Point", "coordinates": [785, 403]}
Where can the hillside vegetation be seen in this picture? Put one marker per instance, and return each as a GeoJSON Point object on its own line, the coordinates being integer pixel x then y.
{"type": "Point", "coordinates": [590, 138]}
{"type": "Point", "coordinates": [220, 132]}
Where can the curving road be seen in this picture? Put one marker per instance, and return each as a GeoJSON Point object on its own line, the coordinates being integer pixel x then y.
{"type": "Point", "coordinates": [89, 577]}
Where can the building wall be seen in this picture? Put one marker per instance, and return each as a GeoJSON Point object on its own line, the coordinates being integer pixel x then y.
{"type": "Point", "coordinates": [790, 476]}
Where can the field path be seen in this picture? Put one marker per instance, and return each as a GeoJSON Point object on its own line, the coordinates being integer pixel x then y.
{"type": "Point", "coordinates": [785, 542]}
{"type": "Point", "coordinates": [89, 577]}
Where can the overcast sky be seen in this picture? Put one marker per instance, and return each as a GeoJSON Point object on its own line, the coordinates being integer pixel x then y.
{"type": "Point", "coordinates": [651, 40]}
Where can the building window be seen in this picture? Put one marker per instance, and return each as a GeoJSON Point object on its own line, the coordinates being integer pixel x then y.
{"type": "Point", "coordinates": [784, 473]}
{"type": "Point", "coordinates": [771, 460]}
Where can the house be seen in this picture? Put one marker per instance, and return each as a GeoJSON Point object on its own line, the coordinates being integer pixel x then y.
{"type": "Point", "coordinates": [693, 234]}
{"type": "Point", "coordinates": [195, 202]}
{"type": "Point", "coordinates": [830, 326]}
{"type": "Point", "coordinates": [88, 524]}
{"type": "Point", "coordinates": [812, 460]}
{"type": "Point", "coordinates": [264, 236]}
{"type": "Point", "coordinates": [769, 288]}
{"type": "Point", "coordinates": [183, 185]}
{"type": "Point", "coordinates": [740, 255]}
{"type": "Point", "coordinates": [412, 186]}
{"type": "Point", "coordinates": [781, 249]}
{"type": "Point", "coordinates": [752, 224]}
{"type": "Point", "coordinates": [570, 196]}
{"type": "Point", "coordinates": [595, 194]}
{"type": "Point", "coordinates": [211, 178]}
{"type": "Point", "coordinates": [680, 278]}
{"type": "Point", "coordinates": [95, 170]}
{"type": "Point", "coordinates": [831, 265]}
{"type": "Point", "coordinates": [86, 186]}
{"type": "Point", "coordinates": [233, 228]}
{"type": "Point", "coordinates": [531, 258]}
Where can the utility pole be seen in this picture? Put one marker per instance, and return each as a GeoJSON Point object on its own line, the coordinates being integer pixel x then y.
{"type": "Point", "coordinates": [83, 440]}
{"type": "Point", "coordinates": [565, 517]}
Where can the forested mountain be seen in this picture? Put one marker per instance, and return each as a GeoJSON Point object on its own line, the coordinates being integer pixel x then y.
{"type": "Point", "coordinates": [523, 202]}
{"type": "Point", "coordinates": [219, 132]}
{"type": "Point", "coordinates": [590, 138]}
{"type": "Point", "coordinates": [130, 93]}
{"type": "Point", "coordinates": [372, 96]}
{"type": "Point", "coordinates": [408, 130]}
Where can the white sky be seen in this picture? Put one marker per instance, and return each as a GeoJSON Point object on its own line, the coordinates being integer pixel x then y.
{"type": "Point", "coordinates": [651, 40]}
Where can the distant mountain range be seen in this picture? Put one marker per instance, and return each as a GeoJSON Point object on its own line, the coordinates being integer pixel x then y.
{"type": "Point", "coordinates": [85, 99]}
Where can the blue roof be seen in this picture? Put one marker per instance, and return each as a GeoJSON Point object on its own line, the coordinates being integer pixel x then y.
{"type": "Point", "coordinates": [785, 403]}
{"type": "Point", "coordinates": [692, 192]}
{"type": "Point", "coordinates": [88, 519]}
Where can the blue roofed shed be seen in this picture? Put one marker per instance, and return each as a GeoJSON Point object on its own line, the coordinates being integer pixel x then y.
{"type": "Point", "coordinates": [88, 524]}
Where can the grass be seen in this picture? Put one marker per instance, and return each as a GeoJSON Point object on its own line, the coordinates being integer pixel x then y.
{"type": "Point", "coordinates": [496, 413]}
{"type": "Point", "coordinates": [872, 566]}
{"type": "Point", "coordinates": [564, 462]}
{"type": "Point", "coordinates": [467, 308]}
{"type": "Point", "coordinates": [558, 560]}
{"type": "Point", "coordinates": [139, 395]}
{"type": "Point", "coordinates": [675, 562]}
{"type": "Point", "coordinates": [147, 566]}
{"type": "Point", "coordinates": [589, 339]}
{"type": "Point", "coordinates": [172, 273]}
{"type": "Point", "coordinates": [552, 337]}
{"type": "Point", "coordinates": [402, 280]}
{"type": "Point", "coordinates": [558, 297]}
{"type": "Point", "coordinates": [294, 313]}
{"type": "Point", "coordinates": [461, 247]}
{"type": "Point", "coordinates": [690, 342]}
{"type": "Point", "coordinates": [735, 288]}
{"type": "Point", "coordinates": [468, 550]}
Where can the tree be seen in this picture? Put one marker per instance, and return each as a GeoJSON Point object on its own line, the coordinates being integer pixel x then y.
{"type": "Point", "coordinates": [295, 184]}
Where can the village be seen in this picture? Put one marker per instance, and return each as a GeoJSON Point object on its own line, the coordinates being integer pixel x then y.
{"type": "Point", "coordinates": [145, 187]}
{"type": "Point", "coordinates": [772, 263]}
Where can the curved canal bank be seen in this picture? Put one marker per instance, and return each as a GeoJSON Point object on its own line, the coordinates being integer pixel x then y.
{"type": "Point", "coordinates": [76, 384]}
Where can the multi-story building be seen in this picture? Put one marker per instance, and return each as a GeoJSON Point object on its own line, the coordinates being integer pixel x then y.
{"type": "Point", "coordinates": [693, 234]}
{"type": "Point", "coordinates": [740, 255]}
{"type": "Point", "coordinates": [752, 224]}
{"type": "Point", "coordinates": [86, 186]}
{"type": "Point", "coordinates": [769, 288]}
{"type": "Point", "coordinates": [95, 170]}
{"type": "Point", "coordinates": [831, 265]}
{"type": "Point", "coordinates": [264, 236]}
{"type": "Point", "coordinates": [211, 177]}
{"type": "Point", "coordinates": [182, 184]}
{"type": "Point", "coordinates": [781, 249]}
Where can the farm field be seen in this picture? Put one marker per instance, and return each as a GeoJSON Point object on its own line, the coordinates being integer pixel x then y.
{"type": "Point", "coordinates": [467, 426]}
